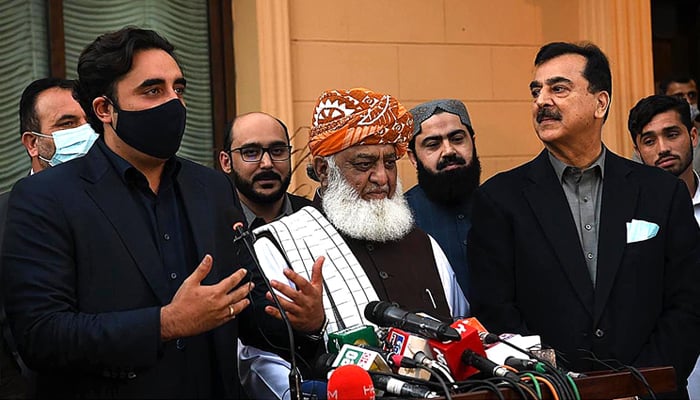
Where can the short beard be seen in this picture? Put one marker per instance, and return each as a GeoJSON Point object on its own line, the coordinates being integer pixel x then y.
{"type": "Point", "coordinates": [382, 220]}
{"type": "Point", "coordinates": [245, 187]}
{"type": "Point", "coordinates": [450, 187]}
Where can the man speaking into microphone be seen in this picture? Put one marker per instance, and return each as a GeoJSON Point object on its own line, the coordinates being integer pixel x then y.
{"type": "Point", "coordinates": [372, 248]}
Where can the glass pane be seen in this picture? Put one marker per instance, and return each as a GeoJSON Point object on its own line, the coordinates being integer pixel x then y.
{"type": "Point", "coordinates": [24, 49]}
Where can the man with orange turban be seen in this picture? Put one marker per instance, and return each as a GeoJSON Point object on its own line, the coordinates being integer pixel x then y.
{"type": "Point", "coordinates": [372, 248]}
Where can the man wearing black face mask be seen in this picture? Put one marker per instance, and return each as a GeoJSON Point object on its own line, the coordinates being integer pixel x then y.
{"type": "Point", "coordinates": [257, 155]}
{"type": "Point", "coordinates": [443, 151]}
{"type": "Point", "coordinates": [121, 276]}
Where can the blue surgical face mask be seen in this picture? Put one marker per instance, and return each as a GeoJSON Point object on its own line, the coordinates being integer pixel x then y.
{"type": "Point", "coordinates": [70, 143]}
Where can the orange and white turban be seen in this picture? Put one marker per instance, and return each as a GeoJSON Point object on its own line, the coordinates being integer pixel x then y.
{"type": "Point", "coordinates": [345, 118]}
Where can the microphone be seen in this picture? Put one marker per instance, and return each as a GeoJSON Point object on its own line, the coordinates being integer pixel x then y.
{"type": "Point", "coordinates": [242, 234]}
{"type": "Point", "coordinates": [384, 313]}
{"type": "Point", "coordinates": [407, 345]}
{"type": "Point", "coordinates": [366, 359]}
{"type": "Point", "coordinates": [450, 353]}
{"type": "Point", "coordinates": [401, 388]}
{"type": "Point", "coordinates": [487, 366]}
{"type": "Point", "coordinates": [522, 364]}
{"type": "Point", "coordinates": [314, 390]}
{"type": "Point", "coordinates": [350, 382]}
{"type": "Point", "coordinates": [355, 335]}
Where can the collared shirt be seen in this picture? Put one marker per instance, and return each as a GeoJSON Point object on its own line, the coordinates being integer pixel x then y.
{"type": "Point", "coordinates": [448, 225]}
{"type": "Point", "coordinates": [254, 221]}
{"type": "Point", "coordinates": [171, 234]}
{"type": "Point", "coordinates": [584, 190]}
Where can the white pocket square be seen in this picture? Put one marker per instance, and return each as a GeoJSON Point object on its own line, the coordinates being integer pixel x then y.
{"type": "Point", "coordinates": [638, 230]}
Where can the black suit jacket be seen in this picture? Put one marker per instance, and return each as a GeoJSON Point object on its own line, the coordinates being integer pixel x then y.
{"type": "Point", "coordinates": [529, 274]}
{"type": "Point", "coordinates": [84, 282]}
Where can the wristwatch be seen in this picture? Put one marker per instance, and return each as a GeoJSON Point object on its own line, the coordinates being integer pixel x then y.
{"type": "Point", "coordinates": [319, 335]}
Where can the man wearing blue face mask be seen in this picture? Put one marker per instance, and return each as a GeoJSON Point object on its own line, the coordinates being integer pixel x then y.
{"type": "Point", "coordinates": [52, 124]}
{"type": "Point", "coordinates": [53, 129]}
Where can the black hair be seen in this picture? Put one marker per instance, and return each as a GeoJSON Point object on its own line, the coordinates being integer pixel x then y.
{"type": "Point", "coordinates": [28, 120]}
{"type": "Point", "coordinates": [663, 86]}
{"type": "Point", "coordinates": [597, 70]}
{"type": "Point", "coordinates": [647, 108]}
{"type": "Point", "coordinates": [228, 133]}
{"type": "Point", "coordinates": [104, 61]}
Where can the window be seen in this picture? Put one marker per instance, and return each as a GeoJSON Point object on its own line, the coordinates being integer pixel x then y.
{"type": "Point", "coordinates": [57, 31]}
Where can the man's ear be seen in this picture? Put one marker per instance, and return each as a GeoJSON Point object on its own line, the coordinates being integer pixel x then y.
{"type": "Point", "coordinates": [321, 169]}
{"type": "Point", "coordinates": [225, 162]}
{"type": "Point", "coordinates": [412, 157]}
{"type": "Point", "coordinates": [101, 107]}
{"type": "Point", "coordinates": [603, 103]}
{"type": "Point", "coordinates": [29, 141]}
{"type": "Point", "coordinates": [694, 137]}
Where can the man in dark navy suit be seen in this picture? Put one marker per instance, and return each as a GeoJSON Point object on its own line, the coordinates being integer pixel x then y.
{"type": "Point", "coordinates": [120, 276]}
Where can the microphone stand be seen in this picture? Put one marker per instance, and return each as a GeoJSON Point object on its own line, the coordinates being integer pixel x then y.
{"type": "Point", "coordinates": [294, 374]}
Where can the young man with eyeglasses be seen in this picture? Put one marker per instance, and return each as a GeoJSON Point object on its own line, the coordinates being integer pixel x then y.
{"type": "Point", "coordinates": [257, 155]}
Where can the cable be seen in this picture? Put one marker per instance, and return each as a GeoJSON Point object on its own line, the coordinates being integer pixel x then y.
{"type": "Point", "coordinates": [573, 385]}
{"type": "Point", "coordinates": [446, 389]}
{"type": "Point", "coordinates": [534, 381]}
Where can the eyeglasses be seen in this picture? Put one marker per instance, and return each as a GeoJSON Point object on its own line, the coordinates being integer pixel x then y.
{"type": "Point", "coordinates": [255, 153]}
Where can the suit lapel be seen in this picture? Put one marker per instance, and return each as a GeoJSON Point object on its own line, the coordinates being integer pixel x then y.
{"type": "Point", "coordinates": [111, 195]}
{"type": "Point", "coordinates": [198, 204]}
{"type": "Point", "coordinates": [618, 204]}
{"type": "Point", "coordinates": [551, 209]}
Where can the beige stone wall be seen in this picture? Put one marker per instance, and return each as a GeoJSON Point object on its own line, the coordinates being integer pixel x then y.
{"type": "Point", "coordinates": [478, 51]}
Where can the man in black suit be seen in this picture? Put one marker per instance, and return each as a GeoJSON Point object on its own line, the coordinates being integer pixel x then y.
{"type": "Point", "coordinates": [257, 156]}
{"type": "Point", "coordinates": [595, 253]}
{"type": "Point", "coordinates": [120, 276]}
{"type": "Point", "coordinates": [46, 107]}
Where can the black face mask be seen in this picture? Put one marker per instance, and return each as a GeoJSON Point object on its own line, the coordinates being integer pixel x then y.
{"type": "Point", "coordinates": [155, 131]}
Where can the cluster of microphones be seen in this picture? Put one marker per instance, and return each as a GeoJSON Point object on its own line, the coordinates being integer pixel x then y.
{"type": "Point", "coordinates": [415, 356]}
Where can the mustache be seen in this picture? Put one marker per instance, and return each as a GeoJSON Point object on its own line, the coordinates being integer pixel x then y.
{"type": "Point", "coordinates": [547, 113]}
{"type": "Point", "coordinates": [665, 156]}
{"type": "Point", "coordinates": [450, 160]}
{"type": "Point", "coordinates": [267, 176]}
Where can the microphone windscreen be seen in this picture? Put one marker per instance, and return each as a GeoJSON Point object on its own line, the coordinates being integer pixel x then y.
{"type": "Point", "coordinates": [374, 309]}
{"type": "Point", "coordinates": [350, 382]}
{"type": "Point", "coordinates": [450, 352]}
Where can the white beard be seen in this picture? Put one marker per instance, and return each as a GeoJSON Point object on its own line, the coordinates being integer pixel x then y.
{"type": "Point", "coordinates": [381, 220]}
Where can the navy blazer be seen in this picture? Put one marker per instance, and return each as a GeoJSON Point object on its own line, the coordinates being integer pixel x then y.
{"type": "Point", "coordinates": [529, 274]}
{"type": "Point", "coordinates": [84, 283]}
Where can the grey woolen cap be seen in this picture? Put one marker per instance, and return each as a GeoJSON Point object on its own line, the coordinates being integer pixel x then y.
{"type": "Point", "coordinates": [423, 111]}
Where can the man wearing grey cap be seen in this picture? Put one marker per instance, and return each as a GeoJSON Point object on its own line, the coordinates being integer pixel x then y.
{"type": "Point", "coordinates": [442, 150]}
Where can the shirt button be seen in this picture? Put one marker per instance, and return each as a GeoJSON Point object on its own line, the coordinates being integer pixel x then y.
{"type": "Point", "coordinates": [166, 237]}
{"type": "Point", "coordinates": [585, 199]}
{"type": "Point", "coordinates": [460, 216]}
{"type": "Point", "coordinates": [173, 275]}
{"type": "Point", "coordinates": [464, 242]}
{"type": "Point", "coordinates": [590, 256]}
{"type": "Point", "coordinates": [383, 275]}
{"type": "Point", "coordinates": [599, 333]}
{"type": "Point", "coordinates": [588, 227]}
{"type": "Point", "coordinates": [370, 247]}
{"type": "Point", "coordinates": [180, 344]}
